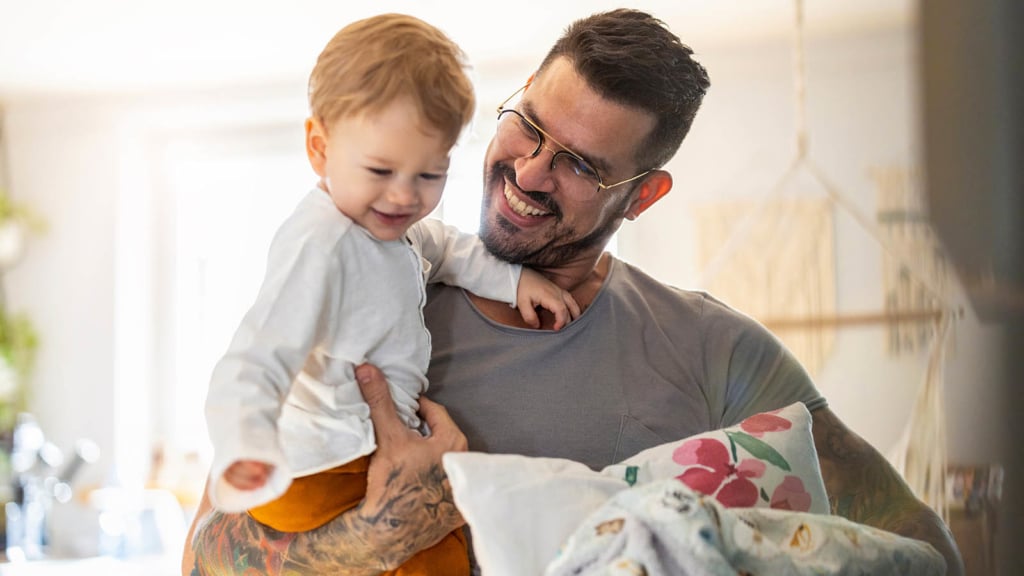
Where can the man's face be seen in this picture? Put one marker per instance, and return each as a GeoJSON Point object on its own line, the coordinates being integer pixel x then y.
{"type": "Point", "coordinates": [536, 216]}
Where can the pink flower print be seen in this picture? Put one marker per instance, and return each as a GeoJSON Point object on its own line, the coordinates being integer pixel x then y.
{"type": "Point", "coordinates": [758, 424]}
{"type": "Point", "coordinates": [738, 493]}
{"type": "Point", "coordinates": [791, 495]}
{"type": "Point", "coordinates": [708, 459]}
{"type": "Point", "coordinates": [710, 465]}
{"type": "Point", "coordinates": [751, 468]}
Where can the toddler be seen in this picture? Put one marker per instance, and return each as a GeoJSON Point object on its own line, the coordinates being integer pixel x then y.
{"type": "Point", "coordinates": [345, 284]}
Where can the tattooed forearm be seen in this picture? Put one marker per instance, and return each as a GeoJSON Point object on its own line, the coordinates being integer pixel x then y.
{"type": "Point", "coordinates": [237, 544]}
{"type": "Point", "coordinates": [865, 488]}
{"type": "Point", "coordinates": [415, 512]}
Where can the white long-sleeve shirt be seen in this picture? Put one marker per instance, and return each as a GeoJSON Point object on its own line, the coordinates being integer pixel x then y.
{"type": "Point", "coordinates": [332, 298]}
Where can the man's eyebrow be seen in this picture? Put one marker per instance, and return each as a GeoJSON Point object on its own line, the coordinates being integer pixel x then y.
{"type": "Point", "coordinates": [596, 162]}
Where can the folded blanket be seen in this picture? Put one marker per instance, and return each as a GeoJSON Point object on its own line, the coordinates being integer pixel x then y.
{"type": "Point", "coordinates": [666, 529]}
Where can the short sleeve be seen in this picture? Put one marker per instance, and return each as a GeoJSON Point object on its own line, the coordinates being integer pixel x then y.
{"type": "Point", "coordinates": [754, 370]}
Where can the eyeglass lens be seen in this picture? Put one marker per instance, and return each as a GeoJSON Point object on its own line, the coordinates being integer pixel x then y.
{"type": "Point", "coordinates": [526, 140]}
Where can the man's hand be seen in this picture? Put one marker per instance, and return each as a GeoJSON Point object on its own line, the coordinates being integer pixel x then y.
{"type": "Point", "coordinates": [408, 507]}
{"type": "Point", "coordinates": [408, 498]}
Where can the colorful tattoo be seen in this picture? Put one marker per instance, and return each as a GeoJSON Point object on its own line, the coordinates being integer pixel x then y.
{"type": "Point", "coordinates": [237, 544]}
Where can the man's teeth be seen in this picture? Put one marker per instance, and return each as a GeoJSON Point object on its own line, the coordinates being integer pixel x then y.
{"type": "Point", "coordinates": [520, 207]}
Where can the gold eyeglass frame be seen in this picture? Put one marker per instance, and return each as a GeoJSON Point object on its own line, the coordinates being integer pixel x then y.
{"type": "Point", "coordinates": [564, 149]}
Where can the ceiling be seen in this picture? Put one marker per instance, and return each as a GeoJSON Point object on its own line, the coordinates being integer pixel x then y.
{"type": "Point", "coordinates": [61, 46]}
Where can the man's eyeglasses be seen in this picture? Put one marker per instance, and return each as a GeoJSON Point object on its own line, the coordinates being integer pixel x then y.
{"type": "Point", "coordinates": [523, 138]}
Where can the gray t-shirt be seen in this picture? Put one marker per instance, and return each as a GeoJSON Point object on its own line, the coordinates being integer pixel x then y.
{"type": "Point", "coordinates": [645, 364]}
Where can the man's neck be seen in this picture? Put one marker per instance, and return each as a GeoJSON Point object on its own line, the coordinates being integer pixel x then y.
{"type": "Point", "coordinates": [583, 283]}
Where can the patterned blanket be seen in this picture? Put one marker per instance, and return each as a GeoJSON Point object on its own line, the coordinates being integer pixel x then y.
{"type": "Point", "coordinates": [666, 529]}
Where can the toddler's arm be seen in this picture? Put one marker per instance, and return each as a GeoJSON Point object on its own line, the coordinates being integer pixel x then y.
{"type": "Point", "coordinates": [460, 259]}
{"type": "Point", "coordinates": [294, 308]}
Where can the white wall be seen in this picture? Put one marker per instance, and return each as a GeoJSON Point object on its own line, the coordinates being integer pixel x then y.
{"type": "Point", "coordinates": [80, 161]}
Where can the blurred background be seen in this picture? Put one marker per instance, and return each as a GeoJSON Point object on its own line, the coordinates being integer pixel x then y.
{"type": "Point", "coordinates": [853, 181]}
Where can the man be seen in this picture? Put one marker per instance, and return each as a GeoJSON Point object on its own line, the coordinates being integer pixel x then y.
{"type": "Point", "coordinates": [579, 151]}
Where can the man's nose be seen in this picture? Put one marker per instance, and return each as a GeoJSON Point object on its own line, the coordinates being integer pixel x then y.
{"type": "Point", "coordinates": [535, 172]}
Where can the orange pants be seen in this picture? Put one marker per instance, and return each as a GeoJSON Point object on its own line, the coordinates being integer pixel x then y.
{"type": "Point", "coordinates": [312, 501]}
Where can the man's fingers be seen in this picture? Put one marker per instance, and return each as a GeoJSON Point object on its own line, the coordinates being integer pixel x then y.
{"type": "Point", "coordinates": [442, 426]}
{"type": "Point", "coordinates": [434, 414]}
{"type": "Point", "coordinates": [389, 427]}
{"type": "Point", "coordinates": [377, 395]}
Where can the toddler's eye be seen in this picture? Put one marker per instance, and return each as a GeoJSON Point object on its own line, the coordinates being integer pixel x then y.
{"type": "Point", "coordinates": [432, 176]}
{"type": "Point", "coordinates": [379, 171]}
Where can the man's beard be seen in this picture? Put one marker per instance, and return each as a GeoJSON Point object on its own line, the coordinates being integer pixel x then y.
{"type": "Point", "coordinates": [499, 235]}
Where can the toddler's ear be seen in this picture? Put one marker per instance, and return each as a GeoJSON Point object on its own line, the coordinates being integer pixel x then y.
{"type": "Point", "coordinates": [316, 146]}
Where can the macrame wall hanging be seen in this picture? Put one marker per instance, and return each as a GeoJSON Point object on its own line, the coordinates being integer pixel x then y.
{"type": "Point", "coordinates": [773, 258]}
{"type": "Point", "coordinates": [783, 267]}
{"type": "Point", "coordinates": [902, 218]}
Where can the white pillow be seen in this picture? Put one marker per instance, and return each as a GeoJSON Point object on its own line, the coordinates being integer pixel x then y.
{"type": "Point", "coordinates": [522, 509]}
{"type": "Point", "coordinates": [519, 509]}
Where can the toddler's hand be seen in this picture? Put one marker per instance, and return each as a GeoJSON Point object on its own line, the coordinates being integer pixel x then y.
{"type": "Point", "coordinates": [536, 290]}
{"type": "Point", "coordinates": [248, 474]}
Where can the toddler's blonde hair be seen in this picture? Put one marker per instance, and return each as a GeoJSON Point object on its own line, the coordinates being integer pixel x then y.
{"type": "Point", "coordinates": [371, 62]}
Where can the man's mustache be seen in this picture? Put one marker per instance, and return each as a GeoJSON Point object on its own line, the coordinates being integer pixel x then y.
{"type": "Point", "coordinates": [541, 199]}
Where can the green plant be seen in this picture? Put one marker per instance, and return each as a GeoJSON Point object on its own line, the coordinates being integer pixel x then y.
{"type": "Point", "coordinates": [11, 210]}
{"type": "Point", "coordinates": [18, 337]}
{"type": "Point", "coordinates": [18, 344]}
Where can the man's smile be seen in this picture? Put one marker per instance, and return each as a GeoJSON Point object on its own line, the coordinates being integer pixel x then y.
{"type": "Point", "coordinates": [520, 206]}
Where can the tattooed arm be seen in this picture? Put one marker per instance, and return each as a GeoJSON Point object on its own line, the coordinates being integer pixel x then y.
{"type": "Point", "coordinates": [408, 507]}
{"type": "Point", "coordinates": [863, 487]}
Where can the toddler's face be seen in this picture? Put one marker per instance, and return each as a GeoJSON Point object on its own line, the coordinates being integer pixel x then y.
{"type": "Point", "coordinates": [383, 170]}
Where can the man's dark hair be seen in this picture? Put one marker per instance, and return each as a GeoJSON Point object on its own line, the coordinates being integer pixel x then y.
{"type": "Point", "coordinates": [632, 58]}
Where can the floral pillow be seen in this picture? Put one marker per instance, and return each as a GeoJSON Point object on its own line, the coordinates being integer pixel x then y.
{"type": "Point", "coordinates": [522, 509]}
{"type": "Point", "coordinates": [765, 461]}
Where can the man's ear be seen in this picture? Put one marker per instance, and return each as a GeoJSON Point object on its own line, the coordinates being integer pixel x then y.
{"type": "Point", "coordinates": [652, 188]}
{"type": "Point", "coordinates": [529, 82]}
{"type": "Point", "coordinates": [316, 146]}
